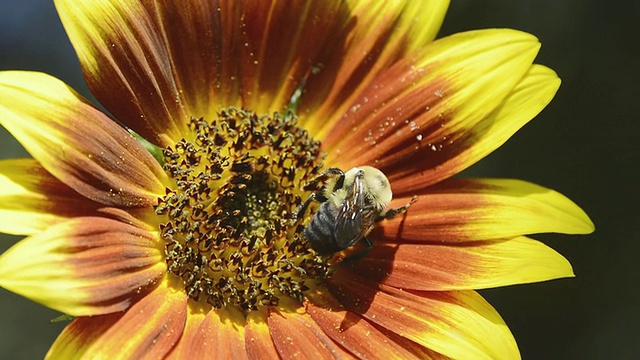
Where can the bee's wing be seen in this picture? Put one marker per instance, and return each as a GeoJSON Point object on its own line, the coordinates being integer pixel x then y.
{"type": "Point", "coordinates": [353, 220]}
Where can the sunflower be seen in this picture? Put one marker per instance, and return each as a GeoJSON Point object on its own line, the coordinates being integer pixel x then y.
{"type": "Point", "coordinates": [170, 227]}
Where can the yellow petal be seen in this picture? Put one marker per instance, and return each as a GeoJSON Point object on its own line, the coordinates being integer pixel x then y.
{"type": "Point", "coordinates": [478, 265]}
{"type": "Point", "coordinates": [127, 65]}
{"type": "Point", "coordinates": [376, 35]}
{"type": "Point", "coordinates": [528, 98]}
{"type": "Point", "coordinates": [532, 94]}
{"type": "Point", "coordinates": [195, 316]}
{"type": "Point", "coordinates": [77, 143]}
{"type": "Point", "coordinates": [85, 266]}
{"type": "Point", "coordinates": [31, 199]}
{"type": "Point", "coordinates": [257, 339]}
{"type": "Point", "coordinates": [416, 116]}
{"type": "Point", "coordinates": [482, 209]}
{"type": "Point", "coordinates": [456, 324]}
{"type": "Point", "coordinates": [149, 329]}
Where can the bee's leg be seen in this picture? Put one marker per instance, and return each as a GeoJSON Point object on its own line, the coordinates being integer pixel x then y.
{"type": "Point", "coordinates": [336, 172]}
{"type": "Point", "coordinates": [330, 172]}
{"type": "Point", "coordinates": [312, 185]}
{"type": "Point", "coordinates": [303, 208]}
{"type": "Point", "coordinates": [389, 214]}
{"type": "Point", "coordinates": [360, 254]}
{"type": "Point", "coordinates": [366, 241]}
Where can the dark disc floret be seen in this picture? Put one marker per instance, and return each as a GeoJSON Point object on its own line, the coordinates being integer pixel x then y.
{"type": "Point", "coordinates": [227, 223]}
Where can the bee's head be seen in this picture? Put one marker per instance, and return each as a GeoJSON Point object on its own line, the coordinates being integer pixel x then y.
{"type": "Point", "coordinates": [378, 187]}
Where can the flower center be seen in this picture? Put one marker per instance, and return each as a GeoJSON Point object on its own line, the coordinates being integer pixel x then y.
{"type": "Point", "coordinates": [228, 229]}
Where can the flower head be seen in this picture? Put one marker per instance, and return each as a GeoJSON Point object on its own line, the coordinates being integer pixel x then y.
{"type": "Point", "coordinates": [187, 231]}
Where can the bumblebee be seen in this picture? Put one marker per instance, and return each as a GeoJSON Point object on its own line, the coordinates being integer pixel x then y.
{"type": "Point", "coordinates": [351, 203]}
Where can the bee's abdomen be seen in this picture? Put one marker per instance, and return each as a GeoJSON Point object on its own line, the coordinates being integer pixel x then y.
{"type": "Point", "coordinates": [320, 232]}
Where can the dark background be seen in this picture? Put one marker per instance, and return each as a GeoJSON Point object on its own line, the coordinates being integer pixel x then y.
{"type": "Point", "coordinates": [583, 145]}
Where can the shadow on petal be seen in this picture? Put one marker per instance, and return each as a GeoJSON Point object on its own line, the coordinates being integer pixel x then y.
{"type": "Point", "coordinates": [357, 335]}
{"type": "Point", "coordinates": [431, 319]}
